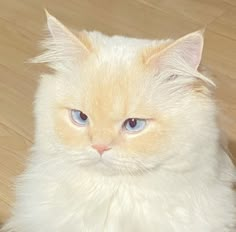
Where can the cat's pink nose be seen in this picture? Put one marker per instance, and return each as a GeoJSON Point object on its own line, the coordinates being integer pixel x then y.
{"type": "Point", "coordinates": [100, 148]}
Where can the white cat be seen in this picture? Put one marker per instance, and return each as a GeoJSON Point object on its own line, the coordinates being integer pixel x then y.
{"type": "Point", "coordinates": [126, 140]}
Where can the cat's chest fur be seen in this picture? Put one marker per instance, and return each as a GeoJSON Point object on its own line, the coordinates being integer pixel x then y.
{"type": "Point", "coordinates": [154, 202]}
{"type": "Point", "coordinates": [114, 207]}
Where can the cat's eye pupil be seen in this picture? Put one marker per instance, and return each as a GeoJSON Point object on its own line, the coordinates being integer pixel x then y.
{"type": "Point", "coordinates": [134, 125]}
{"type": "Point", "coordinates": [132, 122]}
{"type": "Point", "coordinates": [79, 117]}
{"type": "Point", "coordinates": [83, 116]}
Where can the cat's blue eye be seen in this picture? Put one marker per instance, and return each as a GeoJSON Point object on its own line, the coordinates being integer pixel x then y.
{"type": "Point", "coordinates": [79, 117]}
{"type": "Point", "coordinates": [134, 124]}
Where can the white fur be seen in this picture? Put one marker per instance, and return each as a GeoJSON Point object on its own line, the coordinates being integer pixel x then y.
{"type": "Point", "coordinates": [188, 187]}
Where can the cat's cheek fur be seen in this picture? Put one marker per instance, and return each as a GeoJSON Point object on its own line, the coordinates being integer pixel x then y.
{"type": "Point", "coordinates": [150, 141]}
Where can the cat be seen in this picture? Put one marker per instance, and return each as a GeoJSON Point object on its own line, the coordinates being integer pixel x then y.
{"type": "Point", "coordinates": [126, 139]}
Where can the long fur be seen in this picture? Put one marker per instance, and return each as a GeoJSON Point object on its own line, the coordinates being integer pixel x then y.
{"type": "Point", "coordinates": [173, 176]}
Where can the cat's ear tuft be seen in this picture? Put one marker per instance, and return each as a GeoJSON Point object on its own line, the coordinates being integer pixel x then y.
{"type": "Point", "coordinates": [180, 58]}
{"type": "Point", "coordinates": [186, 50]}
{"type": "Point", "coordinates": [62, 45]}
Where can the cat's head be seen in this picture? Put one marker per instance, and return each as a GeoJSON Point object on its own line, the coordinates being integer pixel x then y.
{"type": "Point", "coordinates": [118, 104]}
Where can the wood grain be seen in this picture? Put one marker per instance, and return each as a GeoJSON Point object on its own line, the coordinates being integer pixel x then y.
{"type": "Point", "coordinates": [21, 24]}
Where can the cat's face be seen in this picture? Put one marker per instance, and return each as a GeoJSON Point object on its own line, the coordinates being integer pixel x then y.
{"type": "Point", "coordinates": [114, 109]}
{"type": "Point", "coordinates": [110, 108]}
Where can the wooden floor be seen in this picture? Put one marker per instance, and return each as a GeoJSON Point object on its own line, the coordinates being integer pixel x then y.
{"type": "Point", "coordinates": [21, 24]}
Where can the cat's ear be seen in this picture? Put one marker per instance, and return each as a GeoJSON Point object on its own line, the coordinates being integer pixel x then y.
{"type": "Point", "coordinates": [186, 51]}
{"type": "Point", "coordinates": [62, 45]}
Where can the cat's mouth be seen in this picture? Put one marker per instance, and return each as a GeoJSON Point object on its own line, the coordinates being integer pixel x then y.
{"type": "Point", "coordinates": [111, 164]}
{"type": "Point", "coordinates": [102, 166]}
{"type": "Point", "coordinates": [93, 163]}
{"type": "Point", "coordinates": [115, 167]}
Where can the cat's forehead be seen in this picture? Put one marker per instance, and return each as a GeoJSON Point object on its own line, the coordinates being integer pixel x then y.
{"type": "Point", "coordinates": [113, 88]}
{"type": "Point", "coordinates": [108, 89]}
{"type": "Point", "coordinates": [114, 80]}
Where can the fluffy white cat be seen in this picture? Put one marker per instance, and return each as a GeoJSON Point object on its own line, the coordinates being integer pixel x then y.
{"type": "Point", "coordinates": [126, 140]}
